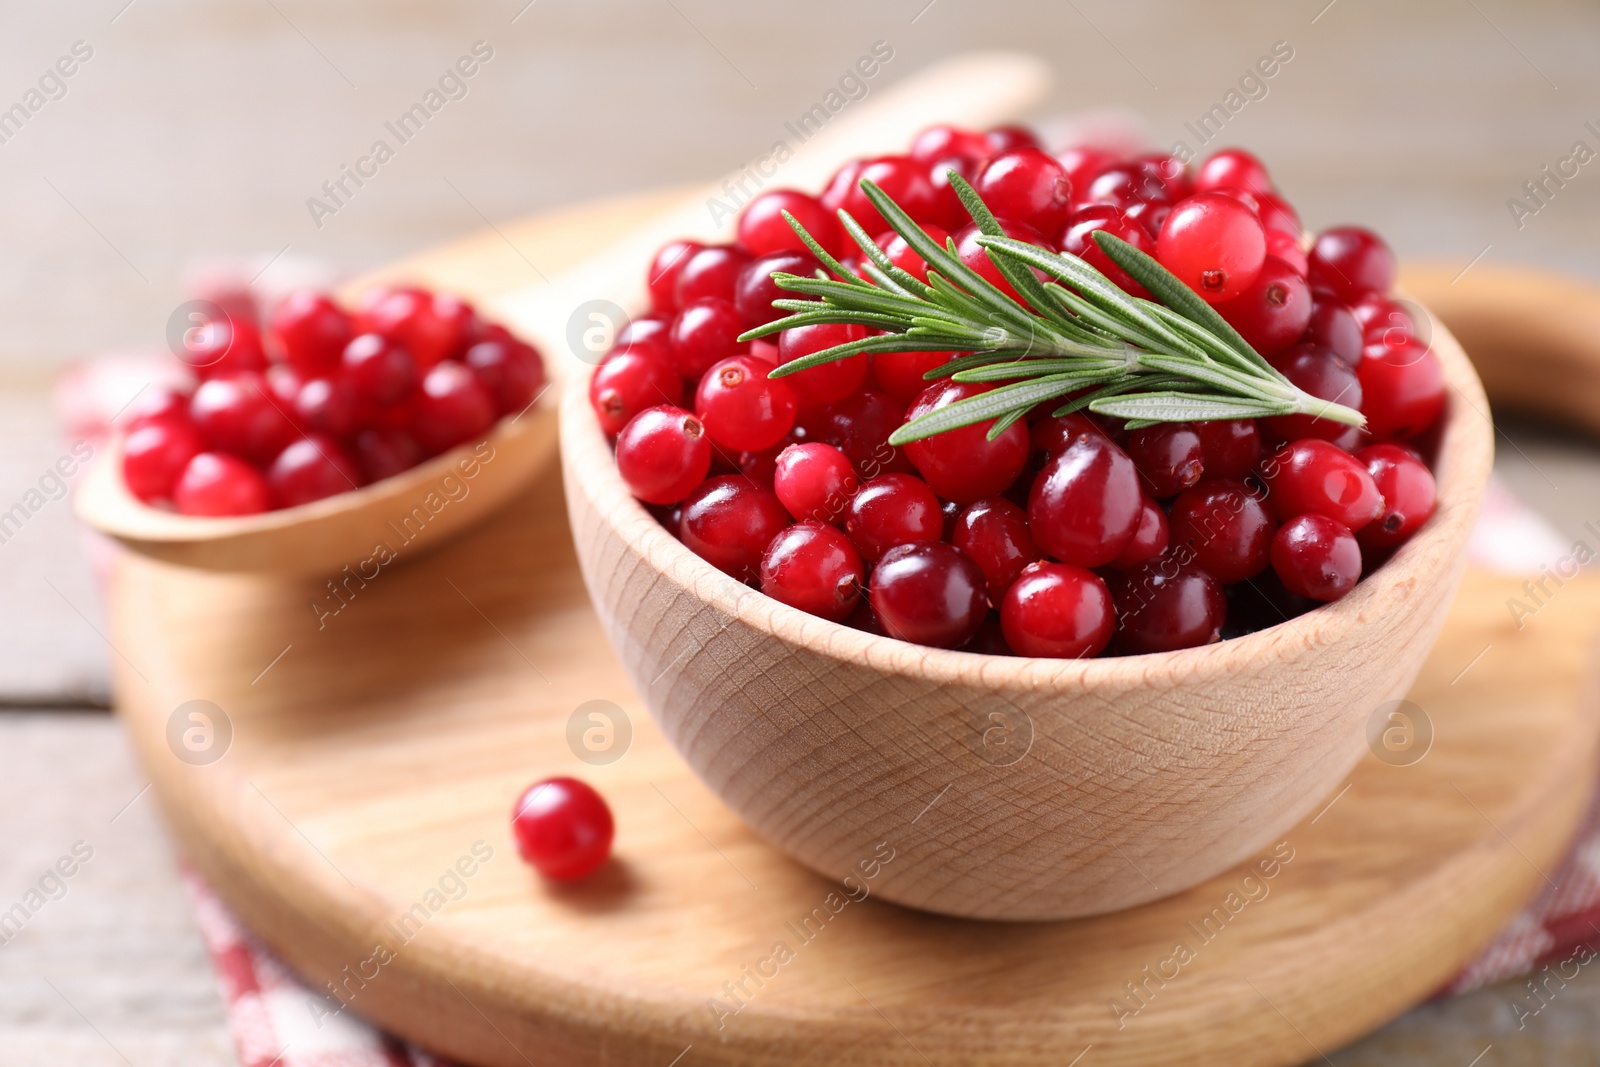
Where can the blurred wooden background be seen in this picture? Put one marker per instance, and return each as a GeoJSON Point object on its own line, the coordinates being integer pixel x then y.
{"type": "Point", "coordinates": [198, 131]}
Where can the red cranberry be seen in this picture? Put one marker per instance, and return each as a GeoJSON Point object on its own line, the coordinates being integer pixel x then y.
{"type": "Point", "coordinates": [155, 454]}
{"type": "Point", "coordinates": [1150, 537]}
{"type": "Point", "coordinates": [711, 273]}
{"type": "Point", "coordinates": [1085, 504]}
{"type": "Point", "coordinates": [929, 593]}
{"type": "Point", "coordinates": [1233, 168]}
{"type": "Point", "coordinates": [378, 370]}
{"type": "Point", "coordinates": [813, 567]}
{"type": "Point", "coordinates": [814, 481]}
{"type": "Point", "coordinates": [662, 454]}
{"type": "Point", "coordinates": [512, 373]}
{"type": "Point", "coordinates": [1402, 389]}
{"type": "Point", "coordinates": [1057, 610]}
{"type": "Point", "coordinates": [741, 407]}
{"type": "Point", "coordinates": [663, 274]}
{"type": "Point", "coordinates": [563, 828]}
{"type": "Point", "coordinates": [1163, 606]}
{"type": "Point", "coordinates": [1223, 527]}
{"type": "Point", "coordinates": [451, 408]}
{"type": "Point", "coordinates": [902, 255]}
{"type": "Point", "coordinates": [948, 211]}
{"type": "Point", "coordinates": [382, 453]}
{"type": "Point", "coordinates": [1078, 240]}
{"type": "Point", "coordinates": [728, 522]}
{"type": "Point", "coordinates": [1214, 244]}
{"type": "Point", "coordinates": [1083, 165]}
{"type": "Point", "coordinates": [1282, 246]}
{"type": "Point", "coordinates": [1124, 185]}
{"type": "Point", "coordinates": [1171, 172]}
{"type": "Point", "coordinates": [1010, 139]}
{"type": "Point", "coordinates": [651, 329]}
{"type": "Point", "coordinates": [829, 382]}
{"type": "Point", "coordinates": [157, 403]}
{"type": "Point", "coordinates": [890, 510]}
{"type": "Point", "coordinates": [1316, 557]}
{"type": "Point", "coordinates": [1027, 185]}
{"type": "Point", "coordinates": [215, 484]}
{"type": "Point", "coordinates": [1407, 488]}
{"type": "Point", "coordinates": [976, 257]}
{"type": "Point", "coordinates": [904, 180]}
{"type": "Point", "coordinates": [1229, 448]}
{"type": "Point", "coordinates": [964, 465]}
{"type": "Point", "coordinates": [1386, 322]}
{"type": "Point", "coordinates": [763, 229]}
{"type": "Point", "coordinates": [1168, 456]}
{"type": "Point", "coordinates": [1052, 435]}
{"type": "Point", "coordinates": [859, 426]}
{"type": "Point", "coordinates": [1279, 217]}
{"type": "Point", "coordinates": [311, 331]}
{"type": "Point", "coordinates": [224, 346]}
{"type": "Point", "coordinates": [629, 382]}
{"type": "Point", "coordinates": [1273, 311]}
{"type": "Point", "coordinates": [755, 290]}
{"type": "Point", "coordinates": [949, 142]}
{"type": "Point", "coordinates": [1351, 262]}
{"type": "Point", "coordinates": [431, 326]}
{"type": "Point", "coordinates": [310, 469]}
{"type": "Point", "coordinates": [761, 465]}
{"type": "Point", "coordinates": [1314, 476]}
{"type": "Point", "coordinates": [1321, 373]}
{"type": "Point", "coordinates": [900, 374]}
{"type": "Point", "coordinates": [1333, 326]}
{"type": "Point", "coordinates": [326, 405]}
{"type": "Point", "coordinates": [705, 332]}
{"type": "Point", "coordinates": [236, 414]}
{"type": "Point", "coordinates": [994, 535]}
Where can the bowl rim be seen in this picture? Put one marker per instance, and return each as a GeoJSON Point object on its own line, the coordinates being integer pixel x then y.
{"type": "Point", "coordinates": [1465, 455]}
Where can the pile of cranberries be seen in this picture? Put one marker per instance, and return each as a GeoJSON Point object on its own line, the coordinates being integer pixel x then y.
{"type": "Point", "coordinates": [322, 401]}
{"type": "Point", "coordinates": [1067, 535]}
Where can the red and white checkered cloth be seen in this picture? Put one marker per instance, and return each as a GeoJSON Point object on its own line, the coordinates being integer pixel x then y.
{"type": "Point", "coordinates": [278, 1021]}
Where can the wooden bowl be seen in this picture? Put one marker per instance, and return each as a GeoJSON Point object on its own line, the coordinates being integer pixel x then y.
{"type": "Point", "coordinates": [407, 514]}
{"type": "Point", "coordinates": [1020, 788]}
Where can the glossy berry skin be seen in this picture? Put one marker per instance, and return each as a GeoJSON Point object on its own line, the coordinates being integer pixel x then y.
{"type": "Point", "coordinates": [1010, 138]}
{"type": "Point", "coordinates": [662, 454]}
{"type": "Point", "coordinates": [1078, 240]}
{"type": "Point", "coordinates": [155, 454]}
{"type": "Point", "coordinates": [859, 426]}
{"type": "Point", "coordinates": [976, 257]}
{"type": "Point", "coordinates": [950, 142]}
{"type": "Point", "coordinates": [902, 255]}
{"type": "Point", "coordinates": [430, 326]}
{"type": "Point", "coordinates": [711, 273]}
{"type": "Point", "coordinates": [216, 484]}
{"type": "Point", "coordinates": [763, 229]}
{"type": "Point", "coordinates": [650, 329]}
{"type": "Point", "coordinates": [1168, 456]}
{"type": "Point", "coordinates": [1280, 217]}
{"type": "Point", "coordinates": [379, 371]}
{"type": "Point", "coordinates": [1163, 607]}
{"type": "Point", "coordinates": [814, 567]}
{"type": "Point", "coordinates": [1408, 491]}
{"type": "Point", "coordinates": [563, 828]}
{"type": "Point", "coordinates": [452, 407]}
{"type": "Point", "coordinates": [1214, 244]}
{"type": "Point", "coordinates": [755, 290]}
{"type": "Point", "coordinates": [742, 408]}
{"type": "Point", "coordinates": [311, 332]}
{"type": "Point", "coordinates": [1333, 326]}
{"type": "Point", "coordinates": [814, 481]}
{"type": "Point", "coordinates": [948, 211]}
{"type": "Point", "coordinates": [1273, 312]}
{"type": "Point", "coordinates": [1084, 506]}
{"type": "Point", "coordinates": [1124, 185]}
{"type": "Point", "coordinates": [1229, 448]}
{"type": "Point", "coordinates": [829, 382]}
{"type": "Point", "coordinates": [1083, 164]}
{"type": "Point", "coordinates": [929, 593]}
{"type": "Point", "coordinates": [310, 469]}
{"type": "Point", "coordinates": [1224, 528]}
{"type": "Point", "coordinates": [1402, 389]}
{"type": "Point", "coordinates": [705, 332]}
{"type": "Point", "coordinates": [963, 465]}
{"type": "Point", "coordinates": [383, 453]}
{"type": "Point", "coordinates": [512, 373]}
{"type": "Point", "coordinates": [1351, 262]}
{"type": "Point", "coordinates": [630, 381]}
{"type": "Point", "coordinates": [994, 535]}
{"type": "Point", "coordinates": [662, 277]}
{"type": "Point", "coordinates": [156, 403]}
{"type": "Point", "coordinates": [1233, 168]}
{"type": "Point", "coordinates": [1317, 557]}
{"type": "Point", "coordinates": [1150, 538]}
{"type": "Point", "coordinates": [1053, 434]}
{"type": "Point", "coordinates": [728, 521]}
{"type": "Point", "coordinates": [900, 374]}
{"type": "Point", "coordinates": [1321, 373]}
{"type": "Point", "coordinates": [1310, 475]}
{"type": "Point", "coordinates": [890, 510]}
{"type": "Point", "coordinates": [904, 179]}
{"type": "Point", "coordinates": [326, 405]}
{"type": "Point", "coordinates": [236, 414]}
{"type": "Point", "coordinates": [223, 346]}
{"type": "Point", "coordinates": [1057, 610]}
{"type": "Point", "coordinates": [1027, 185]}
{"type": "Point", "coordinates": [1287, 248]}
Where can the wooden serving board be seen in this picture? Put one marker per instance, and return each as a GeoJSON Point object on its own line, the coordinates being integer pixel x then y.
{"type": "Point", "coordinates": [351, 801]}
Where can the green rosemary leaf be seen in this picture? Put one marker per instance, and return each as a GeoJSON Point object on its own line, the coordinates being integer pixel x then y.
{"type": "Point", "coordinates": [1183, 407]}
{"type": "Point", "coordinates": [822, 254]}
{"type": "Point", "coordinates": [983, 407]}
{"type": "Point", "coordinates": [1032, 368]}
{"type": "Point", "coordinates": [886, 273]}
{"type": "Point", "coordinates": [831, 316]}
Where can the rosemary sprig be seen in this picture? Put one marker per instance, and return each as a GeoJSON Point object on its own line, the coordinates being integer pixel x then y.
{"type": "Point", "coordinates": [1074, 335]}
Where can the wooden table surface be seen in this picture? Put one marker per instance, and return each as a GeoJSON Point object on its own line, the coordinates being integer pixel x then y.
{"type": "Point", "coordinates": [197, 132]}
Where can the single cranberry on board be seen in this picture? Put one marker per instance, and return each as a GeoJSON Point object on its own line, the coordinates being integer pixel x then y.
{"type": "Point", "coordinates": [563, 828]}
{"type": "Point", "coordinates": [728, 521]}
{"type": "Point", "coordinates": [814, 567]}
{"type": "Point", "coordinates": [964, 464]}
{"type": "Point", "coordinates": [1085, 504]}
{"type": "Point", "coordinates": [1057, 610]}
{"type": "Point", "coordinates": [929, 593]}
